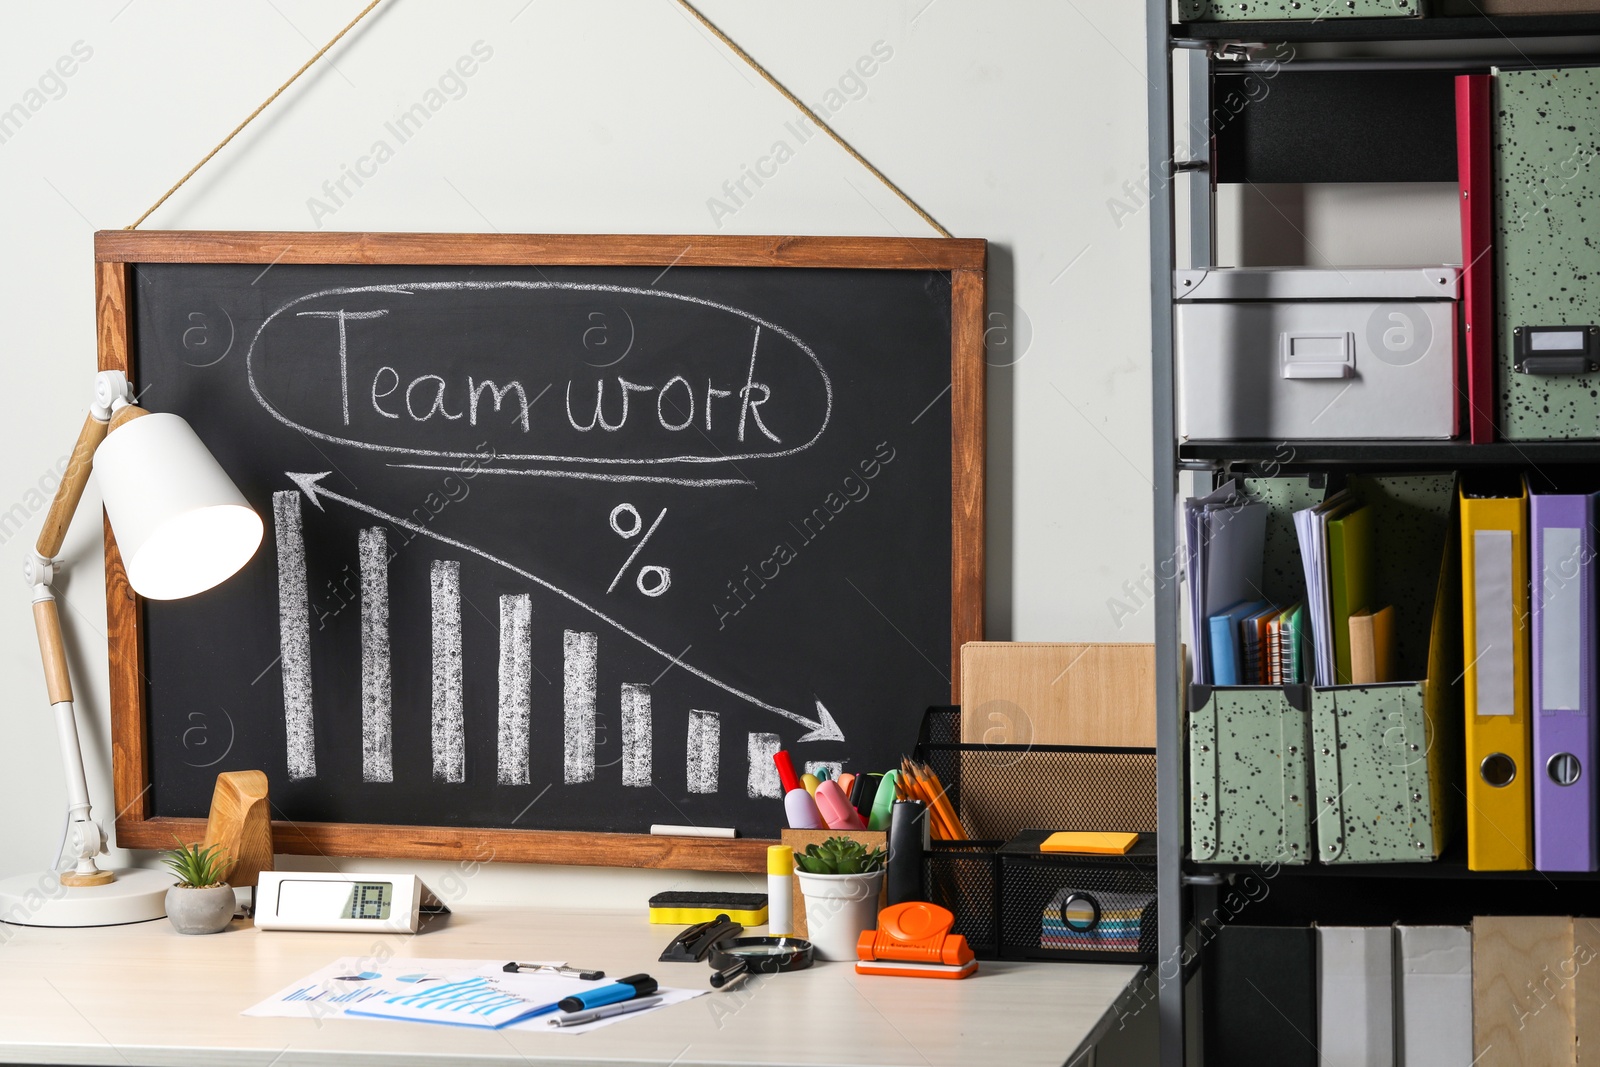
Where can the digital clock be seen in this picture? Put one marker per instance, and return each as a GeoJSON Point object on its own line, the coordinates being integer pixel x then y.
{"type": "Point", "coordinates": [314, 900]}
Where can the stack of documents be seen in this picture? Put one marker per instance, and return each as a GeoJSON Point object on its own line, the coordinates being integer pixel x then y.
{"type": "Point", "coordinates": [1223, 536]}
{"type": "Point", "coordinates": [1336, 553]}
{"type": "Point", "coordinates": [456, 992]}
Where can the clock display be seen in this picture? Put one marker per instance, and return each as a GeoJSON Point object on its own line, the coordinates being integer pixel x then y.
{"type": "Point", "coordinates": [319, 900]}
{"type": "Point", "coordinates": [370, 900]}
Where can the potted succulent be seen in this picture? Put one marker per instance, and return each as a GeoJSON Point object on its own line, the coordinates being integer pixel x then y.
{"type": "Point", "coordinates": [201, 901]}
{"type": "Point", "coordinates": [841, 882]}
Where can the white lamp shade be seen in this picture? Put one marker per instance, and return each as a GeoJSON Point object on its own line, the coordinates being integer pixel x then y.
{"type": "Point", "coordinates": [181, 523]}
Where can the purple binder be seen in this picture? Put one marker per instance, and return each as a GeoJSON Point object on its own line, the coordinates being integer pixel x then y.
{"type": "Point", "coordinates": [1565, 697]}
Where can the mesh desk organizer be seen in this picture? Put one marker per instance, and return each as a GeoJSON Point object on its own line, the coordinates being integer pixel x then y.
{"type": "Point", "coordinates": [1010, 900]}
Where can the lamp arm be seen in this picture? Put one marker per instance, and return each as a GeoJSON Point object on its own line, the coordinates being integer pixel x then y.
{"type": "Point", "coordinates": [70, 491]}
{"type": "Point", "coordinates": [86, 839]}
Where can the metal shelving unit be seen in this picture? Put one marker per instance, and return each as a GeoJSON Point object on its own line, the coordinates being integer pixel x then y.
{"type": "Point", "coordinates": [1445, 887]}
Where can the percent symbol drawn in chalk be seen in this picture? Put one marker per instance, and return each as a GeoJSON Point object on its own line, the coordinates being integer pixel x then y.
{"type": "Point", "coordinates": [651, 579]}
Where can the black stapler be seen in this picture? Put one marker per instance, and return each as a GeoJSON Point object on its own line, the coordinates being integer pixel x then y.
{"type": "Point", "coordinates": [694, 944]}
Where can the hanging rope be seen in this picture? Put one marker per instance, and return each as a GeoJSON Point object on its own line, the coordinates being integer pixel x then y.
{"type": "Point", "coordinates": [251, 117]}
{"type": "Point", "coordinates": [707, 23]}
{"type": "Point", "coordinates": [812, 115]}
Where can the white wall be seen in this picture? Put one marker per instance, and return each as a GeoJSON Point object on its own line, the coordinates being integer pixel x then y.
{"type": "Point", "coordinates": [1020, 122]}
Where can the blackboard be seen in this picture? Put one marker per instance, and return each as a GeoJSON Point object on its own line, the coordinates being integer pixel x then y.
{"type": "Point", "coordinates": [564, 535]}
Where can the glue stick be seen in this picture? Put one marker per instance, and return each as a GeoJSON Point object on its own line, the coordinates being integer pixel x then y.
{"type": "Point", "coordinates": [780, 891]}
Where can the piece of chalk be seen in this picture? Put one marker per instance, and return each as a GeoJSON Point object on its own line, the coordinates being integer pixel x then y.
{"type": "Point", "coordinates": [668, 830]}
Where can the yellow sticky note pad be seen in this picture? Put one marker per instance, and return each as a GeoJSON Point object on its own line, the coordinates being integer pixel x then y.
{"type": "Point", "coordinates": [1102, 844]}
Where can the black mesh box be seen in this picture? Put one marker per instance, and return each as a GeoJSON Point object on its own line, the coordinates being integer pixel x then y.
{"type": "Point", "coordinates": [964, 876]}
{"type": "Point", "coordinates": [1067, 906]}
{"type": "Point", "coordinates": [1000, 790]}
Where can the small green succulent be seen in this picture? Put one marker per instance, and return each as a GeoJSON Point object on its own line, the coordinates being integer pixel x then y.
{"type": "Point", "coordinates": [197, 867]}
{"type": "Point", "coordinates": [840, 855]}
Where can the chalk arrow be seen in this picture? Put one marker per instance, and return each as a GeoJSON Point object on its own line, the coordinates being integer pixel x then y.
{"type": "Point", "coordinates": [822, 728]}
{"type": "Point", "coordinates": [308, 485]}
{"type": "Point", "coordinates": [825, 728]}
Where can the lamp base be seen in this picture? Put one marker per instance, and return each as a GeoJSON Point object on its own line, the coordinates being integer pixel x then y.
{"type": "Point", "coordinates": [137, 895]}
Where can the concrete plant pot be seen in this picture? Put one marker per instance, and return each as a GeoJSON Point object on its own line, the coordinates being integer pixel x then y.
{"type": "Point", "coordinates": [200, 911]}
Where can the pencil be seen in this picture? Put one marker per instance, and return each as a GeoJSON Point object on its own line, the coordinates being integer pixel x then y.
{"type": "Point", "coordinates": [930, 781]}
{"type": "Point", "coordinates": [907, 784]}
{"type": "Point", "coordinates": [941, 824]}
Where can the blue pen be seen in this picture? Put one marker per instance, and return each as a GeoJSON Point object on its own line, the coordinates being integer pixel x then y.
{"type": "Point", "coordinates": [635, 985]}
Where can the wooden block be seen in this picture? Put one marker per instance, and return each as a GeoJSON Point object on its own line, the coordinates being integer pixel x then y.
{"type": "Point", "coordinates": [799, 839]}
{"type": "Point", "coordinates": [1041, 693]}
{"type": "Point", "coordinates": [1524, 973]}
{"type": "Point", "coordinates": [241, 822]}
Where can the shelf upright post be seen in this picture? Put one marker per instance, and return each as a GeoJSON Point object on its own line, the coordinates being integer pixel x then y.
{"type": "Point", "coordinates": [1196, 167]}
{"type": "Point", "coordinates": [1164, 475]}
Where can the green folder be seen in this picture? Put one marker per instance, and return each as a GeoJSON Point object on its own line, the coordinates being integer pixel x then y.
{"type": "Point", "coordinates": [1350, 575]}
{"type": "Point", "coordinates": [1293, 637]}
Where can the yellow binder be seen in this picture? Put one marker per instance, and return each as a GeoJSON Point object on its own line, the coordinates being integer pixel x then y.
{"type": "Point", "coordinates": [1494, 606]}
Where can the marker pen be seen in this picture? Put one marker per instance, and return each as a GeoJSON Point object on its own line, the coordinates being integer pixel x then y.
{"type": "Point", "coordinates": [835, 808]}
{"type": "Point", "coordinates": [883, 803]}
{"type": "Point", "coordinates": [798, 806]}
{"type": "Point", "coordinates": [635, 985]}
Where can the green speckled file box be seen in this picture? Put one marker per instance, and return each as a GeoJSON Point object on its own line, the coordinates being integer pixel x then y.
{"type": "Point", "coordinates": [1547, 255]}
{"type": "Point", "coordinates": [1266, 10]}
{"type": "Point", "coordinates": [1387, 758]}
{"type": "Point", "coordinates": [1375, 787]}
{"type": "Point", "coordinates": [1249, 775]}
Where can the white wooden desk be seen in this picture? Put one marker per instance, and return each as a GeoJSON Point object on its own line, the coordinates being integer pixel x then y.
{"type": "Point", "coordinates": [145, 994]}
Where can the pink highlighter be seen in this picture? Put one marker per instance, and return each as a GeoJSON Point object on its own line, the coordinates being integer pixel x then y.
{"type": "Point", "coordinates": [836, 809]}
{"type": "Point", "coordinates": [797, 803]}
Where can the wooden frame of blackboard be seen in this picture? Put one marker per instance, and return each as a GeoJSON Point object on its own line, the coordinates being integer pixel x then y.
{"type": "Point", "coordinates": [115, 251]}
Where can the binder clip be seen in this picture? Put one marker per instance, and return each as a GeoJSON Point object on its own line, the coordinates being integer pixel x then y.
{"type": "Point", "coordinates": [913, 940]}
{"type": "Point", "coordinates": [695, 943]}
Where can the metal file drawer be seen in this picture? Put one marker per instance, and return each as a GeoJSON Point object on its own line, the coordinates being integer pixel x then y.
{"type": "Point", "coordinates": [1303, 354]}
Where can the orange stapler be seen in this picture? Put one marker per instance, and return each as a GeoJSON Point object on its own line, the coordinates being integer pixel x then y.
{"type": "Point", "coordinates": [913, 940]}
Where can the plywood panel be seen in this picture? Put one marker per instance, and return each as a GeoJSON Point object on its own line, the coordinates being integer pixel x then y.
{"type": "Point", "coordinates": [1522, 991]}
{"type": "Point", "coordinates": [1043, 693]}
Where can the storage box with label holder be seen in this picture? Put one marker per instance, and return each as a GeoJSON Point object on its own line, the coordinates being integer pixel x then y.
{"type": "Point", "coordinates": [1547, 178]}
{"type": "Point", "coordinates": [1308, 354]}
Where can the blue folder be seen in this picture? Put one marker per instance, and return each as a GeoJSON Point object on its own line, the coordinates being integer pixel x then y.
{"type": "Point", "coordinates": [1226, 661]}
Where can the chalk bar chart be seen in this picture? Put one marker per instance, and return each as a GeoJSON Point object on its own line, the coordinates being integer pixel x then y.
{"type": "Point", "coordinates": [515, 724]}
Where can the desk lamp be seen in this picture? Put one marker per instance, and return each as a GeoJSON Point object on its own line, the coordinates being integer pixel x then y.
{"type": "Point", "coordinates": [182, 527]}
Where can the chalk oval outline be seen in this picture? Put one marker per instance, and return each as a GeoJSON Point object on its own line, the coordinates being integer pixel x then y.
{"type": "Point", "coordinates": [592, 287]}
